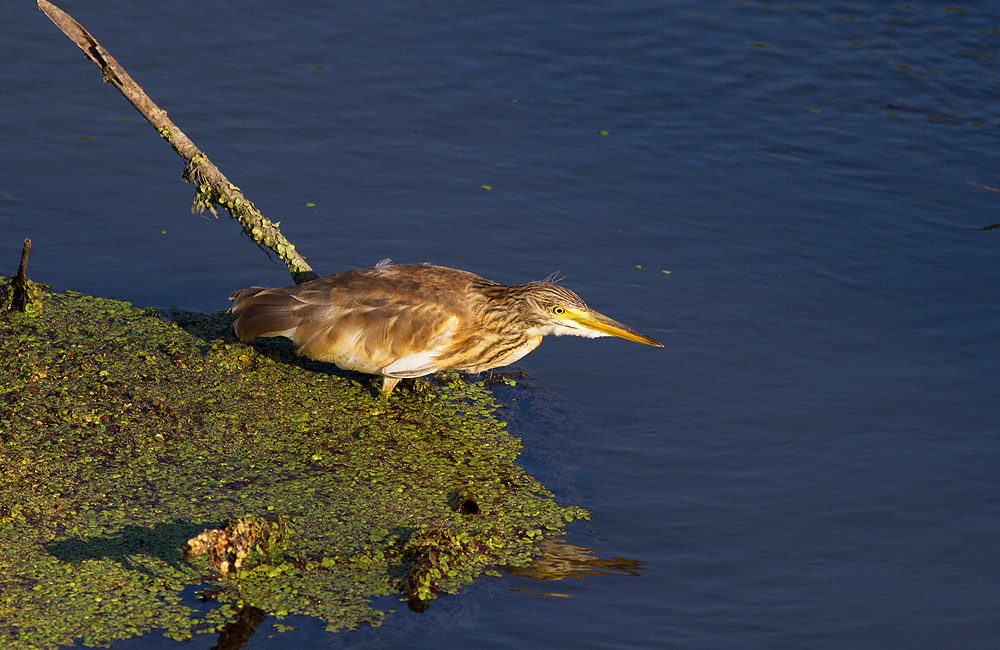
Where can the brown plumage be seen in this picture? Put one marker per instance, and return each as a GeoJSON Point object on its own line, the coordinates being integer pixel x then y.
{"type": "Point", "coordinates": [411, 320]}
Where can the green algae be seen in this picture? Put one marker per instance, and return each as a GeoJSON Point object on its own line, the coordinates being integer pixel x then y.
{"type": "Point", "coordinates": [126, 432]}
{"type": "Point", "coordinates": [33, 292]}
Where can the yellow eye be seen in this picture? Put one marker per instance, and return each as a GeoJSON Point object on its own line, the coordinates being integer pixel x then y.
{"type": "Point", "coordinates": [557, 310]}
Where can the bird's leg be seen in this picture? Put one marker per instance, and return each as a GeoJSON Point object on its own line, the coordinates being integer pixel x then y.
{"type": "Point", "coordinates": [388, 383]}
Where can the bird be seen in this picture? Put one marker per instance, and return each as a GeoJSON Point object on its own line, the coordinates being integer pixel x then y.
{"type": "Point", "coordinates": [411, 320]}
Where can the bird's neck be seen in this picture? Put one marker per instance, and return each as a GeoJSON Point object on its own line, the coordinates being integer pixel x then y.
{"type": "Point", "coordinates": [508, 309]}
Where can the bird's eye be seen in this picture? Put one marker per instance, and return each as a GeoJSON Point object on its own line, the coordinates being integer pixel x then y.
{"type": "Point", "coordinates": [557, 310]}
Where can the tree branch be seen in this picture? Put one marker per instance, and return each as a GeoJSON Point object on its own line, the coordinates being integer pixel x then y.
{"type": "Point", "coordinates": [213, 187]}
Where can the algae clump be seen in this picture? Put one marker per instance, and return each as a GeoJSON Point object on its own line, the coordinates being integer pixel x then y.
{"type": "Point", "coordinates": [125, 433]}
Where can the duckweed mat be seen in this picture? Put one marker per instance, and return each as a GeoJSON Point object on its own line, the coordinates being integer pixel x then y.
{"type": "Point", "coordinates": [126, 432]}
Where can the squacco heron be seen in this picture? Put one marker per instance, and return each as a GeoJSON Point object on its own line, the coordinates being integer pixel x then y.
{"type": "Point", "coordinates": [411, 320]}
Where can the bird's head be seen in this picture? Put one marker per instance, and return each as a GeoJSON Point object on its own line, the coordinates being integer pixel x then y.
{"type": "Point", "coordinates": [554, 309]}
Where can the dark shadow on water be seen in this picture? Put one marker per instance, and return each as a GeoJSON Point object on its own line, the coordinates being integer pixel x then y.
{"type": "Point", "coordinates": [162, 541]}
{"type": "Point", "coordinates": [218, 326]}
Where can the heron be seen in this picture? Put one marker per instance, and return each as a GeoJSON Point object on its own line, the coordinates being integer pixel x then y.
{"type": "Point", "coordinates": [411, 320]}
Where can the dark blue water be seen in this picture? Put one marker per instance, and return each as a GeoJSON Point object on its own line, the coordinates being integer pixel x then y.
{"type": "Point", "coordinates": [813, 460]}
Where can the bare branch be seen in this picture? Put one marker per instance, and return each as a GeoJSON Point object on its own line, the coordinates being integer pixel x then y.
{"type": "Point", "coordinates": [213, 187]}
{"type": "Point", "coordinates": [20, 300]}
{"type": "Point", "coordinates": [992, 189]}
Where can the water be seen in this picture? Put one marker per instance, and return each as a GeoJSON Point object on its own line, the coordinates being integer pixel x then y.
{"type": "Point", "coordinates": [814, 458]}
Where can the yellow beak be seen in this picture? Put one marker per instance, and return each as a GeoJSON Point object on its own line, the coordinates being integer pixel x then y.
{"type": "Point", "coordinates": [593, 320]}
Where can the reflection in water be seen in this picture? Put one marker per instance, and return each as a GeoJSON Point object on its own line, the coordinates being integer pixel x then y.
{"type": "Point", "coordinates": [565, 560]}
{"type": "Point", "coordinates": [237, 633]}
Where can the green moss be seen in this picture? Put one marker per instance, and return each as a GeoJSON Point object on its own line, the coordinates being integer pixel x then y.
{"type": "Point", "coordinates": [35, 295]}
{"type": "Point", "coordinates": [124, 433]}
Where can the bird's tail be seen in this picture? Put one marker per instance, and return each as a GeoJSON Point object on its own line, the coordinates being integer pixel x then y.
{"type": "Point", "coordinates": [258, 311]}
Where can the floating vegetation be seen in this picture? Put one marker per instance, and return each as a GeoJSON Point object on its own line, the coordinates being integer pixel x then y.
{"type": "Point", "coordinates": [126, 436]}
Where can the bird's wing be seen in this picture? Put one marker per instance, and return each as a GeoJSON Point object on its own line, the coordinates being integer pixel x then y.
{"type": "Point", "coordinates": [432, 341]}
{"type": "Point", "coordinates": [414, 365]}
{"type": "Point", "coordinates": [382, 334]}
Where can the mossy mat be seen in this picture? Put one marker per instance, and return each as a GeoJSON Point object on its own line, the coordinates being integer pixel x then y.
{"type": "Point", "coordinates": [125, 432]}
